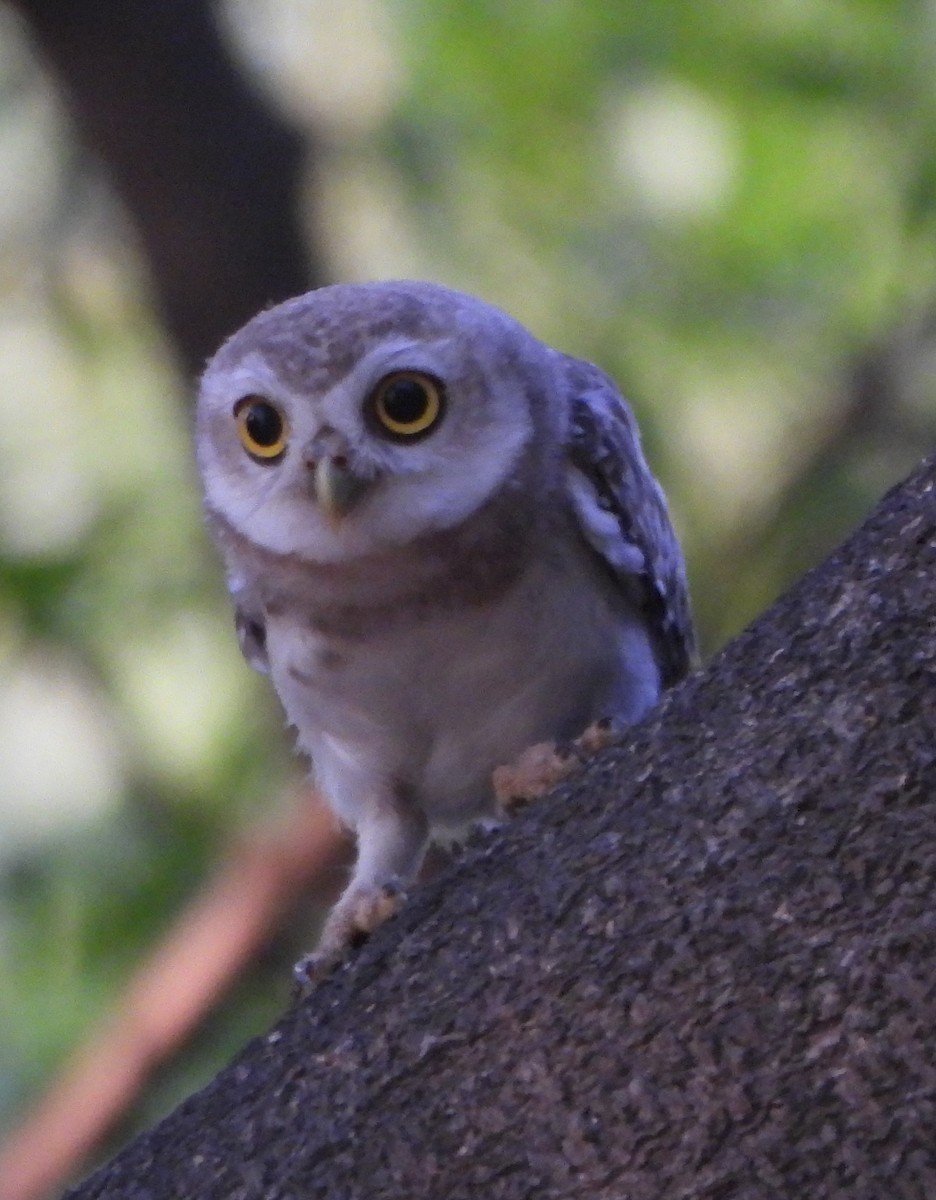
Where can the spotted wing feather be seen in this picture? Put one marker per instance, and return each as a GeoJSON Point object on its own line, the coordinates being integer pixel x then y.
{"type": "Point", "coordinates": [623, 515]}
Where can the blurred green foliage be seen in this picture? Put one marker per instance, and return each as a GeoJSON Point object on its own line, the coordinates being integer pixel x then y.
{"type": "Point", "coordinates": [729, 206]}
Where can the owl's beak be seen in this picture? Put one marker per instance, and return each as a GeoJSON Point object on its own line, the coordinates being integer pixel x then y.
{"type": "Point", "coordinates": [337, 488]}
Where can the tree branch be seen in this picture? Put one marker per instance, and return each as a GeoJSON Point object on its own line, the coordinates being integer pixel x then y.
{"type": "Point", "coordinates": [704, 968]}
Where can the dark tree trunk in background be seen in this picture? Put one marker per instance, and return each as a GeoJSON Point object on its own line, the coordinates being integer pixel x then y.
{"type": "Point", "coordinates": [209, 173]}
{"type": "Point", "coordinates": [705, 968]}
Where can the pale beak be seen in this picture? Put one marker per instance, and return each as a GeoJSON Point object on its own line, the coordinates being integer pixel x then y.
{"type": "Point", "coordinates": [337, 488]}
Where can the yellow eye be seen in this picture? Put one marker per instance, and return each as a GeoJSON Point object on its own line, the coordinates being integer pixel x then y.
{"type": "Point", "coordinates": [407, 404]}
{"type": "Point", "coordinates": [263, 429]}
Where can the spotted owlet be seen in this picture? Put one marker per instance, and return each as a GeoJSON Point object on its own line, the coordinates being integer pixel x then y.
{"type": "Point", "coordinates": [443, 544]}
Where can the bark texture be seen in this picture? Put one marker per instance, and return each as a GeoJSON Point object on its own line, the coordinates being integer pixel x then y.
{"type": "Point", "coordinates": [704, 968]}
{"type": "Point", "coordinates": [209, 173]}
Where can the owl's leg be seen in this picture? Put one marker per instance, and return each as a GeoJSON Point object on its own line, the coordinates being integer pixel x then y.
{"type": "Point", "coordinates": [392, 836]}
{"type": "Point", "coordinates": [542, 767]}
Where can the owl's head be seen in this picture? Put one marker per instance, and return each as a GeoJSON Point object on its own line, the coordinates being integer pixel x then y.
{"type": "Point", "coordinates": [362, 416]}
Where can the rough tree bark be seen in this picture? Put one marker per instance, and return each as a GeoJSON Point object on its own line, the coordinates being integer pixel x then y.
{"type": "Point", "coordinates": [704, 968]}
{"type": "Point", "coordinates": [209, 173]}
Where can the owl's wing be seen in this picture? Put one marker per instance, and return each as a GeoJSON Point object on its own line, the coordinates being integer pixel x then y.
{"type": "Point", "coordinates": [622, 512]}
{"type": "Point", "coordinates": [250, 623]}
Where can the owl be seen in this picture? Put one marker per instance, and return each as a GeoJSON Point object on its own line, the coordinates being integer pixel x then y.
{"type": "Point", "coordinates": [443, 544]}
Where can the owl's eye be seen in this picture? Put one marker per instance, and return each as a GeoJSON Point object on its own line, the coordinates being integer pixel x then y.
{"type": "Point", "coordinates": [263, 429]}
{"type": "Point", "coordinates": [407, 404]}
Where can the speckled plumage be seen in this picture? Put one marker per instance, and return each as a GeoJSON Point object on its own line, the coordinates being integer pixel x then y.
{"type": "Point", "coordinates": [432, 601]}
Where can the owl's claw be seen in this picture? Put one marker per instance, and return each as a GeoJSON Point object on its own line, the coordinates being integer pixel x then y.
{"type": "Point", "coordinates": [306, 974]}
{"type": "Point", "coordinates": [353, 919]}
{"type": "Point", "coordinates": [541, 767]}
{"type": "Point", "coordinates": [598, 736]}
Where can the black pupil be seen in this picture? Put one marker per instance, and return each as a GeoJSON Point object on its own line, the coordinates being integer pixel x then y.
{"type": "Point", "coordinates": [263, 424]}
{"type": "Point", "coordinates": [405, 401]}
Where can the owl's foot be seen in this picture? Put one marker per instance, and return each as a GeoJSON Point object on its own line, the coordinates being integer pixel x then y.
{"type": "Point", "coordinates": [350, 923]}
{"type": "Point", "coordinates": [541, 767]}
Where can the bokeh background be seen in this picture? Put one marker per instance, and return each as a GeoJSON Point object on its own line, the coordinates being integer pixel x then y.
{"type": "Point", "coordinates": [730, 206]}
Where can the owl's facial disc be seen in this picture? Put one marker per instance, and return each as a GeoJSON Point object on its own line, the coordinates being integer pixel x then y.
{"type": "Point", "coordinates": [334, 461]}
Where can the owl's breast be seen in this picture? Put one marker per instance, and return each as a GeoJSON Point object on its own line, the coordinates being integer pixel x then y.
{"type": "Point", "coordinates": [435, 697]}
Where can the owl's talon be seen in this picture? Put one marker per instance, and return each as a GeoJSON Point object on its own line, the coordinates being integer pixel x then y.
{"type": "Point", "coordinates": [538, 769]}
{"type": "Point", "coordinates": [310, 970]}
{"type": "Point", "coordinates": [542, 767]}
{"type": "Point", "coordinates": [598, 736]}
{"type": "Point", "coordinates": [357, 914]}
